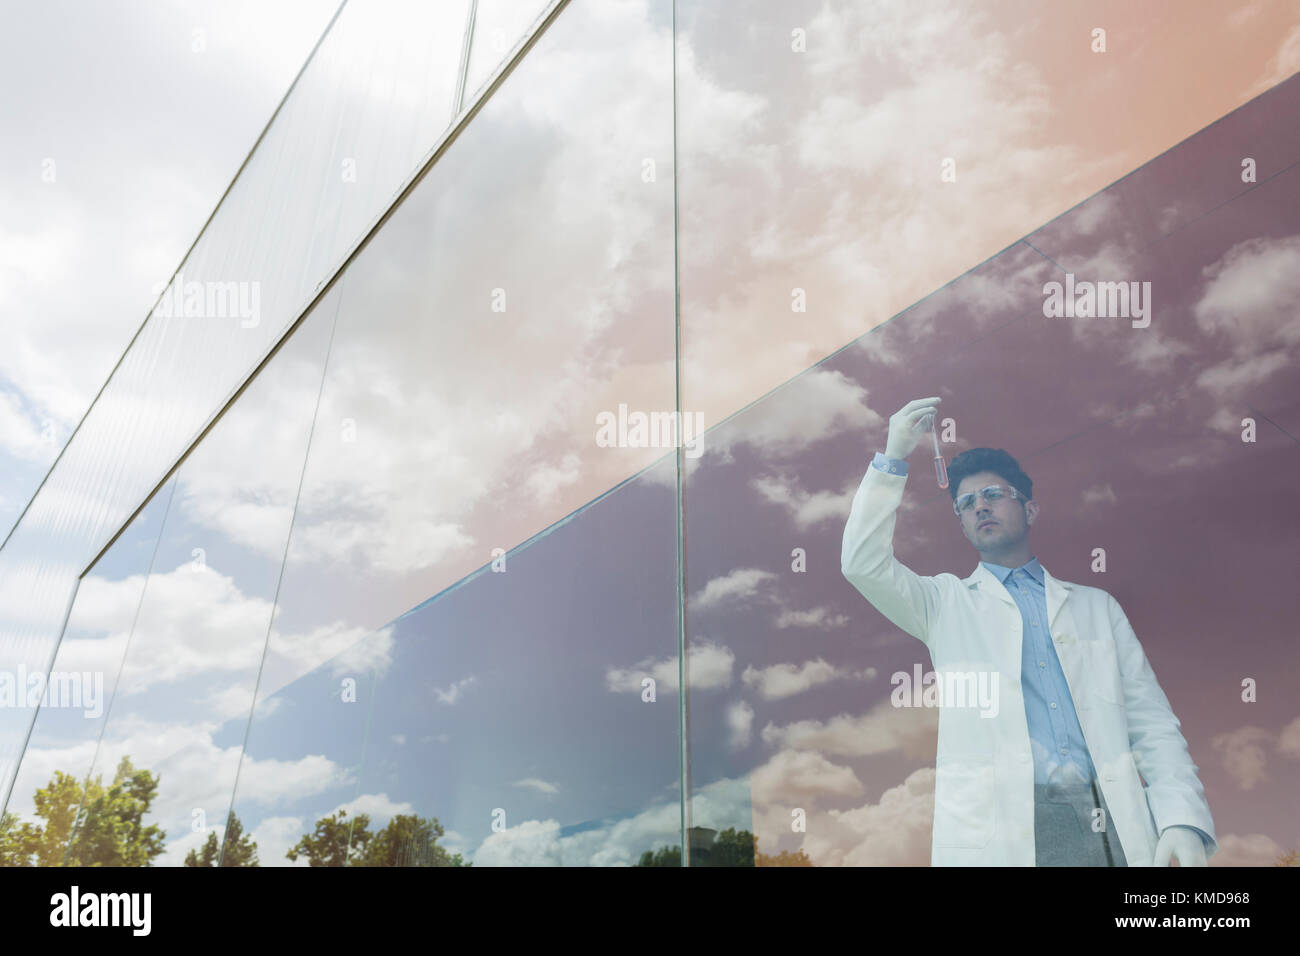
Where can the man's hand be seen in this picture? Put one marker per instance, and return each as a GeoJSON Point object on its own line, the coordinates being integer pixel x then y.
{"type": "Point", "coordinates": [1182, 842]}
{"type": "Point", "coordinates": [904, 433]}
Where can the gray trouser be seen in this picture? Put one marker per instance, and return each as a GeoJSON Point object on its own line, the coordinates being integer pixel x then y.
{"type": "Point", "coordinates": [1064, 833]}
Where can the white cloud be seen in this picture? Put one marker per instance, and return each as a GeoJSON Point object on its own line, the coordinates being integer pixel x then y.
{"type": "Point", "coordinates": [1098, 494]}
{"type": "Point", "coordinates": [1251, 298]}
{"type": "Point", "coordinates": [817, 404]}
{"type": "Point", "coordinates": [117, 185]}
{"type": "Point", "coordinates": [708, 666]}
{"type": "Point", "coordinates": [792, 778]}
{"type": "Point", "coordinates": [1254, 849]}
{"type": "Point", "coordinates": [884, 728]}
{"type": "Point", "coordinates": [807, 509]}
{"type": "Point", "coordinates": [822, 618]}
{"type": "Point", "coordinates": [896, 831]}
{"type": "Point", "coordinates": [1283, 64]}
{"type": "Point", "coordinates": [1288, 741]}
{"type": "Point", "coordinates": [740, 725]}
{"type": "Point", "coordinates": [737, 585]}
{"type": "Point", "coordinates": [785, 680]}
{"type": "Point", "coordinates": [541, 786]}
{"type": "Point", "coordinates": [276, 836]}
{"type": "Point", "coordinates": [377, 806]}
{"type": "Point", "coordinates": [1243, 754]}
{"type": "Point", "coordinates": [545, 481]}
{"type": "Point", "coordinates": [455, 690]}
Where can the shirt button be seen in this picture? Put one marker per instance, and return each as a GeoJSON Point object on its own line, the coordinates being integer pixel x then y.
{"type": "Point", "coordinates": [1064, 752]}
{"type": "Point", "coordinates": [1042, 663]}
{"type": "Point", "coordinates": [1053, 705]}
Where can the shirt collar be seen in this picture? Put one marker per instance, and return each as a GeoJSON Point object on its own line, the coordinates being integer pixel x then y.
{"type": "Point", "coordinates": [1002, 573]}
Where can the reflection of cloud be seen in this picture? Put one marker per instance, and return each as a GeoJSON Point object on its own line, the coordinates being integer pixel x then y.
{"type": "Point", "coordinates": [736, 585]}
{"type": "Point", "coordinates": [884, 728]}
{"type": "Point", "coordinates": [38, 766]}
{"type": "Point", "coordinates": [438, 458]}
{"type": "Point", "coordinates": [1254, 849]}
{"type": "Point", "coordinates": [453, 693]}
{"type": "Point", "coordinates": [721, 804]}
{"type": "Point", "coordinates": [823, 618]}
{"type": "Point", "coordinates": [276, 836]}
{"type": "Point", "coordinates": [1243, 755]}
{"type": "Point", "coordinates": [350, 651]}
{"type": "Point", "coordinates": [1252, 293]}
{"type": "Point", "coordinates": [194, 620]}
{"type": "Point", "coordinates": [807, 509]}
{"type": "Point", "coordinates": [545, 480]}
{"type": "Point", "coordinates": [786, 680]}
{"type": "Point", "coordinates": [1283, 64]}
{"type": "Point", "coordinates": [1288, 741]}
{"type": "Point", "coordinates": [248, 503]}
{"type": "Point", "coordinates": [793, 778]}
{"type": "Point", "coordinates": [1251, 296]}
{"type": "Point", "coordinates": [541, 786]}
{"type": "Point", "coordinates": [818, 404]}
{"type": "Point", "coordinates": [740, 724]}
{"type": "Point", "coordinates": [1098, 494]}
{"type": "Point", "coordinates": [377, 806]}
{"type": "Point", "coordinates": [896, 831]}
{"type": "Point", "coordinates": [708, 665]}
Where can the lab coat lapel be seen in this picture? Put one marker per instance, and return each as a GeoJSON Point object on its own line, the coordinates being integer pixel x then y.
{"type": "Point", "coordinates": [988, 583]}
{"type": "Point", "coordinates": [1057, 592]}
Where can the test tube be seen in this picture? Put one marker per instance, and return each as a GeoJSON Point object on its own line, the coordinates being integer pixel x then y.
{"type": "Point", "coordinates": [940, 469]}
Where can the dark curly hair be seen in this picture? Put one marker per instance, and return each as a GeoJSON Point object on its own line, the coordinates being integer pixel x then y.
{"type": "Point", "coordinates": [974, 460]}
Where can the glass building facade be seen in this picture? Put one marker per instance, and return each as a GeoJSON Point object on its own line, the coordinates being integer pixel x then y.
{"type": "Point", "coordinates": [504, 527]}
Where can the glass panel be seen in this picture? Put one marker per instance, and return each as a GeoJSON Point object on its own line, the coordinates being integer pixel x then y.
{"type": "Point", "coordinates": [509, 311]}
{"type": "Point", "coordinates": [515, 726]}
{"type": "Point", "coordinates": [365, 112]}
{"type": "Point", "coordinates": [498, 26]}
{"type": "Point", "coordinates": [1135, 437]}
{"type": "Point", "coordinates": [81, 683]}
{"type": "Point", "coordinates": [186, 692]}
{"type": "Point", "coordinates": [296, 791]}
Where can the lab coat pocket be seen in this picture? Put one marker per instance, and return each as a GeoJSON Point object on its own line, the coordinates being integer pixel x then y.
{"type": "Point", "coordinates": [963, 801]}
{"type": "Point", "coordinates": [1102, 670]}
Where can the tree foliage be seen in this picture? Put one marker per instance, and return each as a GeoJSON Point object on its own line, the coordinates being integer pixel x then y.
{"type": "Point", "coordinates": [104, 824]}
{"type": "Point", "coordinates": [731, 847]}
{"type": "Point", "coordinates": [407, 840]}
{"type": "Point", "coordinates": [239, 848]}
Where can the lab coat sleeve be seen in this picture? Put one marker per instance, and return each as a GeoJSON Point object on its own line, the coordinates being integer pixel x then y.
{"type": "Point", "coordinates": [909, 600]}
{"type": "Point", "coordinates": [1174, 791]}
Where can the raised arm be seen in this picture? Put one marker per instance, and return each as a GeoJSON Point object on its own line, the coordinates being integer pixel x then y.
{"type": "Point", "coordinates": [909, 600]}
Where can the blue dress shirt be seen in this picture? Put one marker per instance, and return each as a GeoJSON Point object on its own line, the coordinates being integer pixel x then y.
{"type": "Point", "coordinates": [1055, 736]}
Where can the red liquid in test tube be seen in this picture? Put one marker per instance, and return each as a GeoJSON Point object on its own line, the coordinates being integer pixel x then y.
{"type": "Point", "coordinates": [940, 469]}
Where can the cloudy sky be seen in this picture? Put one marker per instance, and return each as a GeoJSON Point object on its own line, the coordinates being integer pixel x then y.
{"type": "Point", "coordinates": [123, 125]}
{"type": "Point", "coordinates": [819, 173]}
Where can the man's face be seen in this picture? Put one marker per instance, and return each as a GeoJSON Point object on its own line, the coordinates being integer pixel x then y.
{"type": "Point", "coordinates": [994, 526]}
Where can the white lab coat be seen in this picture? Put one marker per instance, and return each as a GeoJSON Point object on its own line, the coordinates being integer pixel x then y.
{"type": "Point", "coordinates": [984, 796]}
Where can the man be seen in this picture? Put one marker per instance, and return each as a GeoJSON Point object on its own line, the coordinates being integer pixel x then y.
{"type": "Point", "coordinates": [1051, 777]}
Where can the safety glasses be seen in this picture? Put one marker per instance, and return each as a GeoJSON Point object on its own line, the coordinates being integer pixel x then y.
{"type": "Point", "coordinates": [964, 504]}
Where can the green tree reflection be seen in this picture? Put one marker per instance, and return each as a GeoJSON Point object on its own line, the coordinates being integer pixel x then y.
{"type": "Point", "coordinates": [108, 823]}
{"type": "Point", "coordinates": [240, 850]}
{"type": "Point", "coordinates": [407, 840]}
